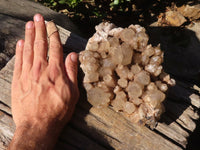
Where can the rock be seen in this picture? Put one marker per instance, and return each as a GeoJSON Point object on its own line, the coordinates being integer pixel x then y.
{"type": "Point", "coordinates": [191, 12]}
{"type": "Point", "coordinates": [195, 27]}
{"type": "Point", "coordinates": [123, 71]}
{"type": "Point", "coordinates": [3, 59]}
{"type": "Point", "coordinates": [174, 18]}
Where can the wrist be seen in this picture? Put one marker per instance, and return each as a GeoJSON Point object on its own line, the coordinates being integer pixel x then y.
{"type": "Point", "coordinates": [34, 136]}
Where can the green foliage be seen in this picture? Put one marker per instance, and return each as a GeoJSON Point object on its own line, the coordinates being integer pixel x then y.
{"type": "Point", "coordinates": [118, 2]}
{"type": "Point", "coordinates": [117, 5]}
{"type": "Point", "coordinates": [56, 4]}
{"type": "Point", "coordinates": [70, 3]}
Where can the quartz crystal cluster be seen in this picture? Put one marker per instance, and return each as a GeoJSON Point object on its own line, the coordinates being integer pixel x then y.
{"type": "Point", "coordinates": [124, 72]}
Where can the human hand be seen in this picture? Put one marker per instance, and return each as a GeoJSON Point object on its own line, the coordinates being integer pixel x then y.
{"type": "Point", "coordinates": [44, 93]}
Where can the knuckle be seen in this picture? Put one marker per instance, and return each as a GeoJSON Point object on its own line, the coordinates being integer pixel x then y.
{"type": "Point", "coordinates": [73, 68]}
{"type": "Point", "coordinates": [54, 72]}
{"type": "Point", "coordinates": [39, 43]}
{"type": "Point", "coordinates": [37, 69]}
{"type": "Point", "coordinates": [55, 45]}
{"type": "Point", "coordinates": [28, 48]}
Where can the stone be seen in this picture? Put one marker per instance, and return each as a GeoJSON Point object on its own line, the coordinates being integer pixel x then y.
{"type": "Point", "coordinates": [191, 12]}
{"type": "Point", "coordinates": [125, 73]}
{"type": "Point", "coordinates": [98, 97]}
{"type": "Point", "coordinates": [174, 18]}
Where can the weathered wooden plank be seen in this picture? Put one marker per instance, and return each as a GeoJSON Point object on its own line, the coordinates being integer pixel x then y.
{"type": "Point", "coordinates": [11, 30]}
{"type": "Point", "coordinates": [64, 146]}
{"type": "Point", "coordinates": [184, 115]}
{"type": "Point", "coordinates": [5, 92]}
{"type": "Point", "coordinates": [70, 41]}
{"type": "Point", "coordinates": [69, 135]}
{"type": "Point", "coordinates": [5, 83]}
{"type": "Point", "coordinates": [120, 133]}
{"type": "Point", "coordinates": [197, 88]}
{"type": "Point", "coordinates": [172, 134]}
{"type": "Point", "coordinates": [165, 119]}
{"type": "Point", "coordinates": [182, 94]}
{"type": "Point", "coordinates": [7, 128]}
{"type": "Point", "coordinates": [5, 109]}
{"type": "Point", "coordinates": [129, 134]}
{"type": "Point", "coordinates": [178, 113]}
{"type": "Point", "coordinates": [79, 122]}
{"type": "Point", "coordinates": [7, 72]}
{"type": "Point", "coordinates": [25, 10]}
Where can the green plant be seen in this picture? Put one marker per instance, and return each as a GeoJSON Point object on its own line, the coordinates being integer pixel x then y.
{"type": "Point", "coordinates": [70, 3]}
{"type": "Point", "coordinates": [56, 4]}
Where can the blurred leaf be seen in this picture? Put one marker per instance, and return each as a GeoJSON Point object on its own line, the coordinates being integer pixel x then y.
{"type": "Point", "coordinates": [62, 1]}
{"type": "Point", "coordinates": [54, 3]}
{"type": "Point", "coordinates": [116, 2]}
{"type": "Point", "coordinates": [111, 4]}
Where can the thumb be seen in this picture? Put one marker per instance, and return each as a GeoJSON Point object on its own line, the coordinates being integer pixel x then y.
{"type": "Point", "coordinates": [71, 63]}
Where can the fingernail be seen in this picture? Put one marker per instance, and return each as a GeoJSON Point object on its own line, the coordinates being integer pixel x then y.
{"type": "Point", "coordinates": [74, 57]}
{"type": "Point", "coordinates": [38, 17]}
{"type": "Point", "coordinates": [20, 43]}
{"type": "Point", "coordinates": [29, 25]}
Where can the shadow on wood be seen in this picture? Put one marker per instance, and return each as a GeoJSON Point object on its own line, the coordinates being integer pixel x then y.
{"type": "Point", "coordinates": [181, 59]}
{"type": "Point", "coordinates": [181, 51]}
{"type": "Point", "coordinates": [78, 134]}
{"type": "Point", "coordinates": [2, 47]}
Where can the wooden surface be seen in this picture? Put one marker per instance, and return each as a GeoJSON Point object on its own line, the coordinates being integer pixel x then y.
{"type": "Point", "coordinates": [25, 10]}
{"type": "Point", "coordinates": [101, 129]}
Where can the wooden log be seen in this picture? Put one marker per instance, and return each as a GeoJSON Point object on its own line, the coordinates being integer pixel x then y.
{"type": "Point", "coordinates": [197, 88]}
{"type": "Point", "coordinates": [26, 9]}
{"type": "Point", "coordinates": [7, 128]}
{"type": "Point", "coordinates": [116, 126]}
{"type": "Point", "coordinates": [183, 115]}
{"type": "Point", "coordinates": [11, 30]}
{"type": "Point", "coordinates": [178, 113]}
{"type": "Point", "coordinates": [71, 42]}
{"type": "Point", "coordinates": [69, 135]}
{"type": "Point", "coordinates": [182, 94]}
{"type": "Point", "coordinates": [5, 109]}
{"type": "Point", "coordinates": [64, 146]}
{"type": "Point", "coordinates": [172, 134]}
{"type": "Point", "coordinates": [5, 83]}
{"type": "Point", "coordinates": [131, 135]}
{"type": "Point", "coordinates": [165, 119]}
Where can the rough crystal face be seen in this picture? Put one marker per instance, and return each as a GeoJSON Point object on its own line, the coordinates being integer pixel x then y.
{"type": "Point", "coordinates": [124, 72]}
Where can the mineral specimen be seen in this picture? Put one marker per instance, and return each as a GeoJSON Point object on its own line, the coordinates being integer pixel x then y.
{"type": "Point", "coordinates": [124, 72]}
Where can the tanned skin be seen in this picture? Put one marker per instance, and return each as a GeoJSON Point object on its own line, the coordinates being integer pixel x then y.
{"type": "Point", "coordinates": [44, 93]}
